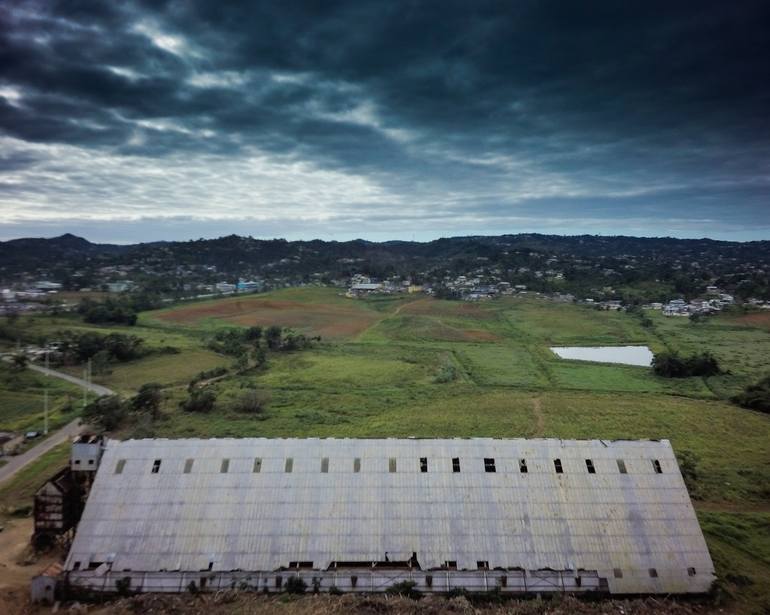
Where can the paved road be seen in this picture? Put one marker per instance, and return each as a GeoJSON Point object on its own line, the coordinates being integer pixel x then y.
{"type": "Point", "coordinates": [96, 388]}
{"type": "Point", "coordinates": [66, 433]}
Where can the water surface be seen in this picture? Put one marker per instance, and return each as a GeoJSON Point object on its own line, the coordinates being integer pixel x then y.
{"type": "Point", "coordinates": [625, 355]}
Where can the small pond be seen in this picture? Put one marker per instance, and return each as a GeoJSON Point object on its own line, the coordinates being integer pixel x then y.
{"type": "Point", "coordinates": [625, 355]}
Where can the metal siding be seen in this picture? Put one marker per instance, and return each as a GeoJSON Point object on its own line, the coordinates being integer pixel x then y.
{"type": "Point", "coordinates": [260, 521]}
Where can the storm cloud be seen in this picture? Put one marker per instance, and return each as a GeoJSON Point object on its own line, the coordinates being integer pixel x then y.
{"type": "Point", "coordinates": [132, 120]}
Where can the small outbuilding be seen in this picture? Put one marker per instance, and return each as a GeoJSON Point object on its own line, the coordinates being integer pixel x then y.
{"type": "Point", "coordinates": [43, 588]}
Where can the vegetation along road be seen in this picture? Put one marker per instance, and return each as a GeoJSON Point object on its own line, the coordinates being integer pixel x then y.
{"type": "Point", "coordinates": [62, 435]}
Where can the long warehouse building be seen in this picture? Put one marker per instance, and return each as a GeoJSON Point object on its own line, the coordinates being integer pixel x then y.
{"type": "Point", "coordinates": [516, 515]}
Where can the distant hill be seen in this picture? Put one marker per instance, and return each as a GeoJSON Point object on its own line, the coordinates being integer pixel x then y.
{"type": "Point", "coordinates": [233, 248]}
{"type": "Point", "coordinates": [582, 260]}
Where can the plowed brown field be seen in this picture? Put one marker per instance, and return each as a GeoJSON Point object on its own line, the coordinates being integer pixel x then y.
{"type": "Point", "coordinates": [761, 319]}
{"type": "Point", "coordinates": [333, 321]}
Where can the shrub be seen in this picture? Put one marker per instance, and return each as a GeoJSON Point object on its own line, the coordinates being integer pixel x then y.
{"type": "Point", "coordinates": [148, 398]}
{"type": "Point", "coordinates": [273, 337]}
{"type": "Point", "coordinates": [259, 356]}
{"type": "Point", "coordinates": [404, 588]}
{"type": "Point", "coordinates": [671, 365]}
{"type": "Point", "coordinates": [19, 362]}
{"type": "Point", "coordinates": [250, 402]}
{"type": "Point", "coordinates": [108, 412]}
{"type": "Point", "coordinates": [295, 585]}
{"type": "Point", "coordinates": [755, 396]}
{"type": "Point", "coordinates": [253, 334]}
{"type": "Point", "coordinates": [208, 374]}
{"type": "Point", "coordinates": [335, 591]}
{"type": "Point", "coordinates": [83, 346]}
{"type": "Point", "coordinates": [108, 311]}
{"type": "Point", "coordinates": [200, 400]}
{"type": "Point", "coordinates": [688, 466]}
{"type": "Point", "coordinates": [446, 373]}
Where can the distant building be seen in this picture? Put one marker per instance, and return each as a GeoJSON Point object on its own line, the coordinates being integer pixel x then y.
{"type": "Point", "coordinates": [365, 288]}
{"type": "Point", "coordinates": [119, 287]}
{"type": "Point", "coordinates": [250, 285]}
{"type": "Point", "coordinates": [517, 516]}
{"type": "Point", "coordinates": [46, 285]}
{"type": "Point", "coordinates": [224, 287]}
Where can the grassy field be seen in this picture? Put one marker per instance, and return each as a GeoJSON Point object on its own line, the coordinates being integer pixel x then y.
{"type": "Point", "coordinates": [21, 400]}
{"type": "Point", "coordinates": [16, 494]}
{"type": "Point", "coordinates": [381, 371]}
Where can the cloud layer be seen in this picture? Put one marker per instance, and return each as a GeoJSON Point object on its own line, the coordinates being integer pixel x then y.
{"type": "Point", "coordinates": [136, 119]}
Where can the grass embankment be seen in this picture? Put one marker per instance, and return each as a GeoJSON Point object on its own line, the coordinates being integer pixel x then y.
{"type": "Point", "coordinates": [21, 400]}
{"type": "Point", "coordinates": [16, 494]}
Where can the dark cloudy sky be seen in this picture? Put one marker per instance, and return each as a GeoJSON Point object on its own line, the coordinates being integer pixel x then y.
{"type": "Point", "coordinates": [125, 121]}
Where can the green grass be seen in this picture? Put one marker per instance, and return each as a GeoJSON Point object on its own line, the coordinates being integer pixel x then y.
{"type": "Point", "coordinates": [21, 400]}
{"type": "Point", "coordinates": [503, 365]}
{"type": "Point", "coordinates": [351, 366]}
{"type": "Point", "coordinates": [166, 369]}
{"type": "Point", "coordinates": [17, 493]}
{"type": "Point", "coordinates": [562, 324]}
{"type": "Point", "coordinates": [741, 349]}
{"type": "Point", "coordinates": [382, 382]}
{"type": "Point", "coordinates": [740, 547]}
{"type": "Point", "coordinates": [605, 377]}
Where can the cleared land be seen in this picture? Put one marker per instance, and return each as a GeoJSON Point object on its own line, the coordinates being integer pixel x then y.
{"type": "Point", "coordinates": [381, 370]}
{"type": "Point", "coordinates": [307, 312]}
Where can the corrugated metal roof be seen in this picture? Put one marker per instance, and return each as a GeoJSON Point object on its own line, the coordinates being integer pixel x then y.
{"type": "Point", "coordinates": [259, 521]}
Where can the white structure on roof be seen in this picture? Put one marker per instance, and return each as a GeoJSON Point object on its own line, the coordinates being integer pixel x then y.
{"type": "Point", "coordinates": [520, 515]}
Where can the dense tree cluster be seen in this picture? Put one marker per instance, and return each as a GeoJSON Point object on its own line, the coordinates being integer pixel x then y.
{"type": "Point", "coordinates": [246, 344]}
{"type": "Point", "coordinates": [109, 311]}
{"type": "Point", "coordinates": [755, 396]}
{"type": "Point", "coordinates": [672, 365]}
{"type": "Point", "coordinates": [111, 411]}
{"type": "Point", "coordinates": [76, 347]}
{"type": "Point", "coordinates": [200, 400]}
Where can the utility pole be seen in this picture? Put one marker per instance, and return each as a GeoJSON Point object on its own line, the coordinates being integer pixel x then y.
{"type": "Point", "coordinates": [85, 388]}
{"type": "Point", "coordinates": [45, 394]}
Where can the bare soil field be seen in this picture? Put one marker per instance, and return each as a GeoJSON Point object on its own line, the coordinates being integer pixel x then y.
{"type": "Point", "coordinates": [18, 564]}
{"type": "Point", "coordinates": [760, 319]}
{"type": "Point", "coordinates": [332, 321]}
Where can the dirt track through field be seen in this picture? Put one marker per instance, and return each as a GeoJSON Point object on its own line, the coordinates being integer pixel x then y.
{"type": "Point", "coordinates": [537, 410]}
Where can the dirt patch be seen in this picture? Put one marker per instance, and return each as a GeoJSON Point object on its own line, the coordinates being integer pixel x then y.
{"type": "Point", "coordinates": [18, 564]}
{"type": "Point", "coordinates": [537, 410]}
{"type": "Point", "coordinates": [327, 320]}
{"type": "Point", "coordinates": [760, 319]}
{"type": "Point", "coordinates": [478, 335]}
